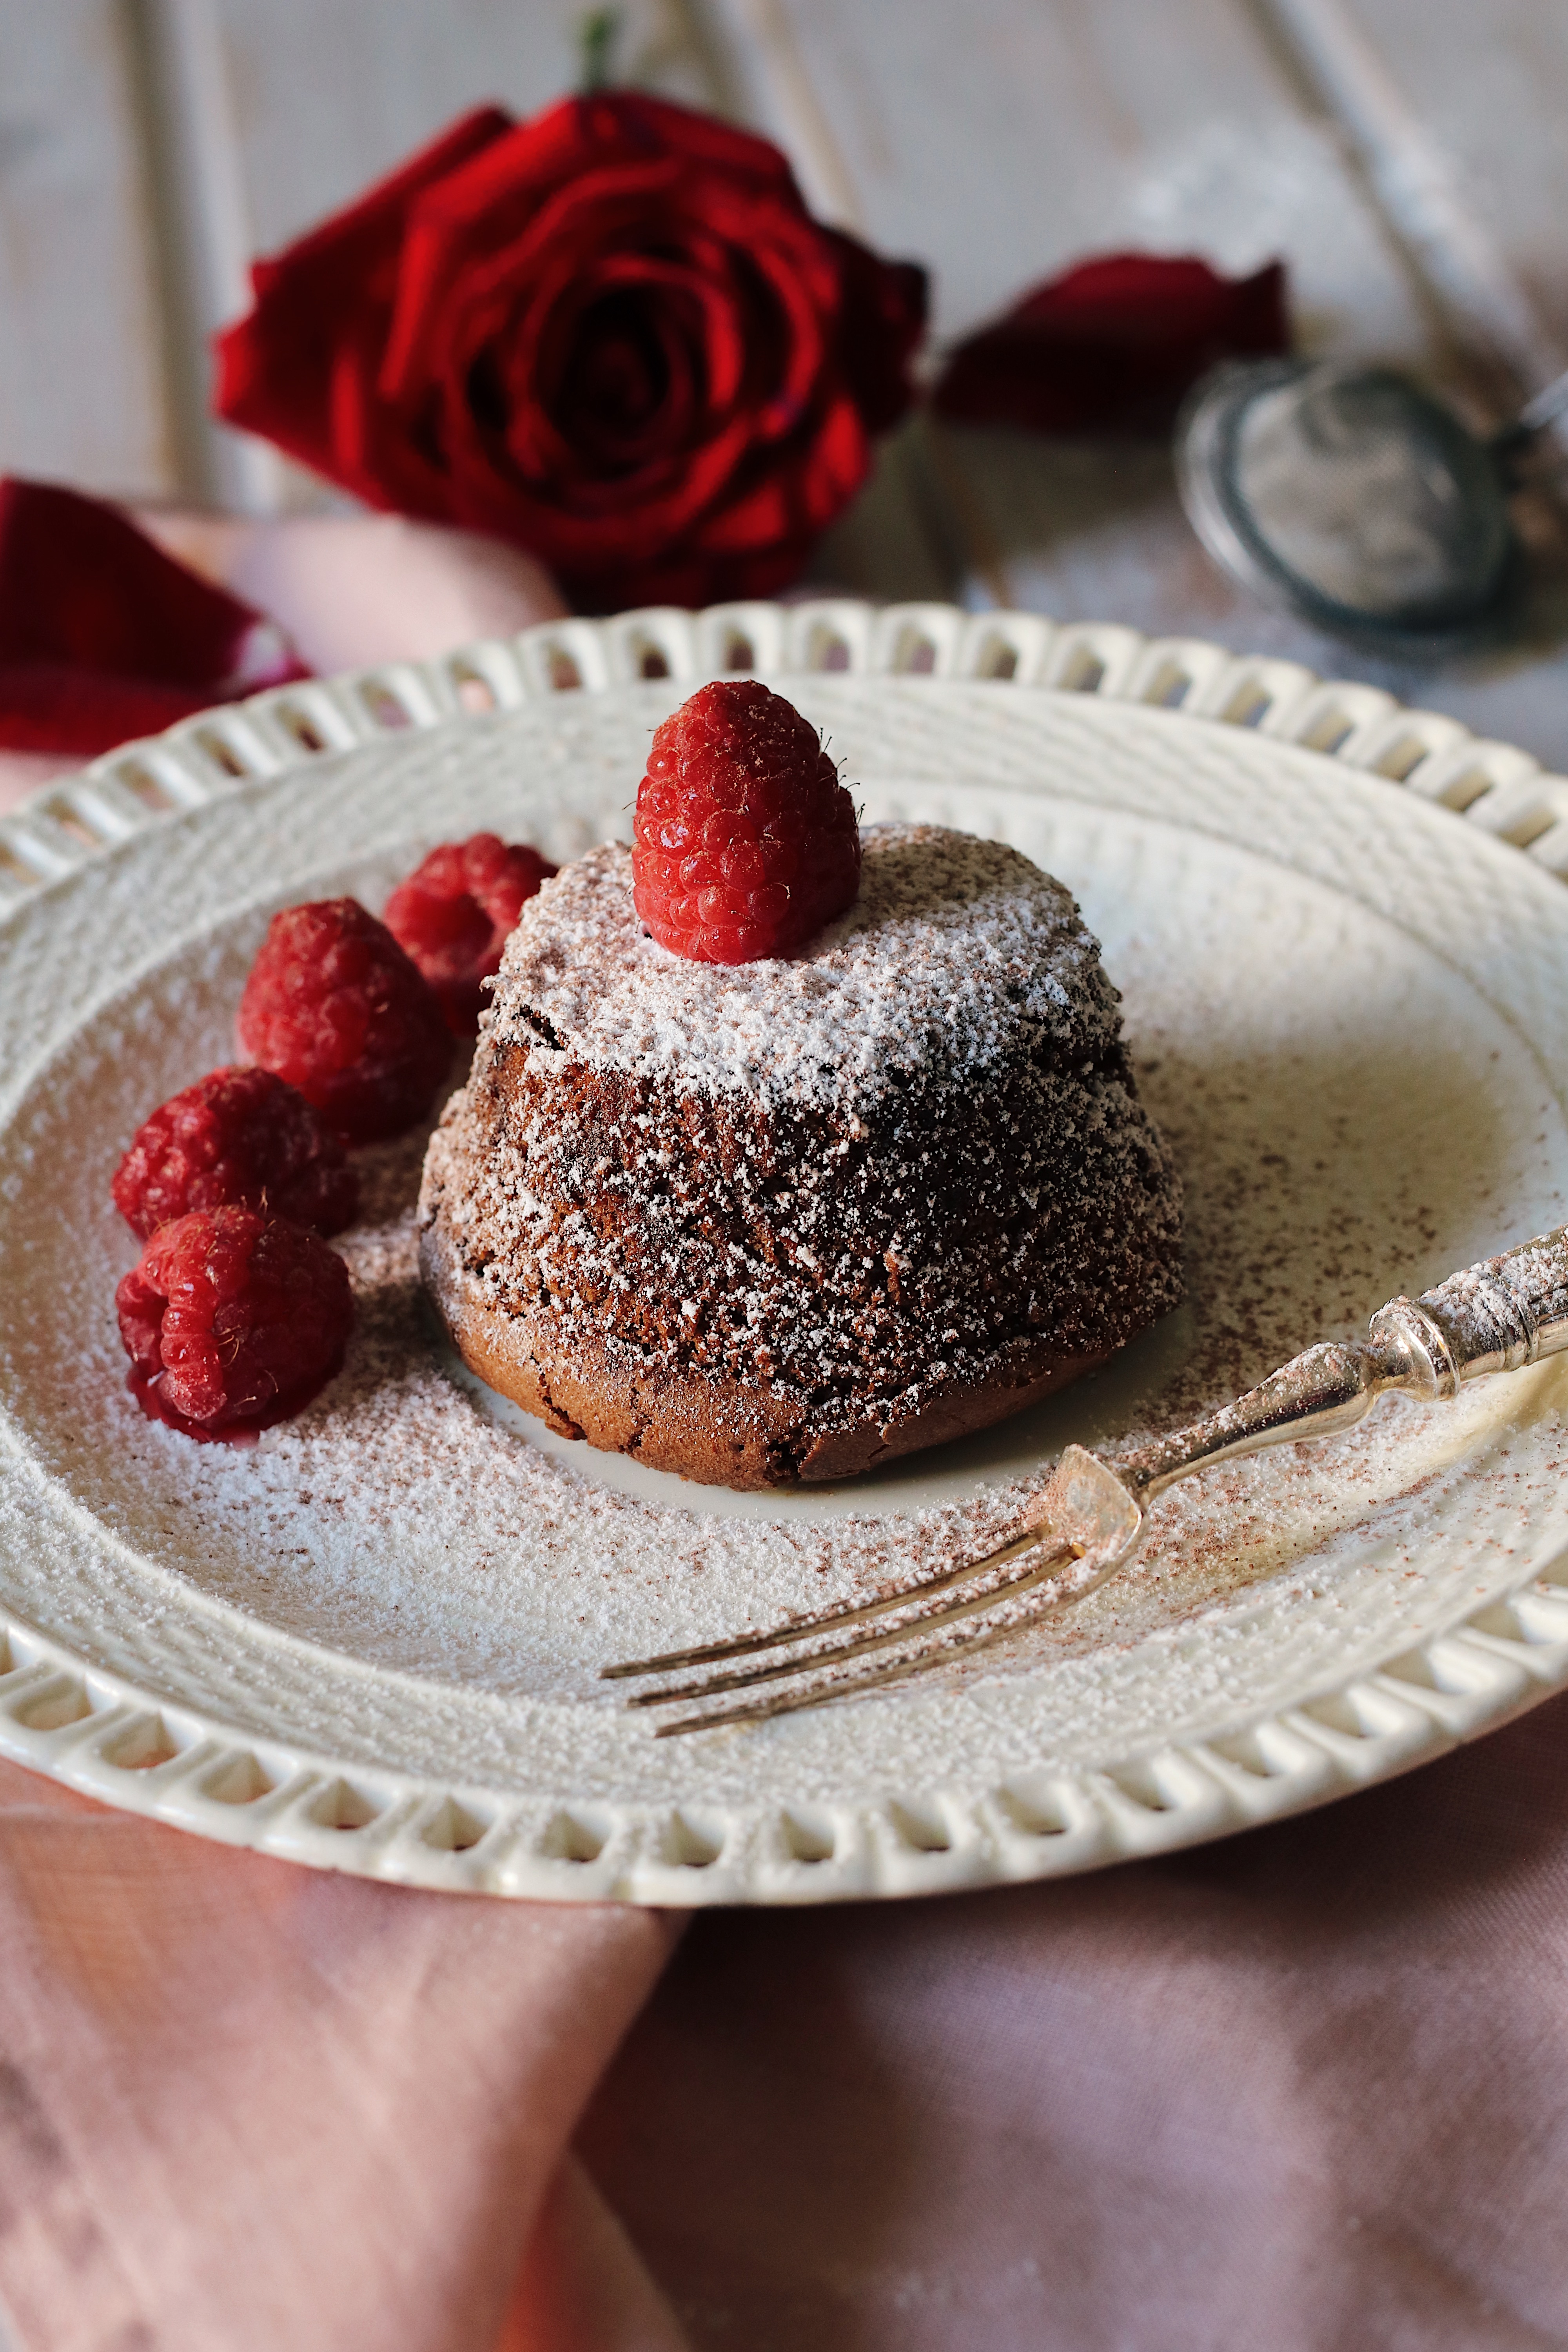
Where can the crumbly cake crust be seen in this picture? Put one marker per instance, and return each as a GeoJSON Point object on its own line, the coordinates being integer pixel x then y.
{"type": "Point", "coordinates": [780, 1221]}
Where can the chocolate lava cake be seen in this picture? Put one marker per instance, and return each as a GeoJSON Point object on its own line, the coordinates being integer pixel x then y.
{"type": "Point", "coordinates": [781, 1220]}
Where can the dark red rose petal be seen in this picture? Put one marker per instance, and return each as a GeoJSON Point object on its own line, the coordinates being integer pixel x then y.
{"type": "Point", "coordinates": [103, 636]}
{"type": "Point", "coordinates": [1112, 346]}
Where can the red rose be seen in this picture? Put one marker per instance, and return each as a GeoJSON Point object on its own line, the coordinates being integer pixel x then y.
{"type": "Point", "coordinates": [612, 334]}
{"type": "Point", "coordinates": [1112, 345]}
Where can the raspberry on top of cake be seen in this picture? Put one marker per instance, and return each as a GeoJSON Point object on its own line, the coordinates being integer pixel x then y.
{"type": "Point", "coordinates": [780, 1220]}
{"type": "Point", "coordinates": [746, 843]}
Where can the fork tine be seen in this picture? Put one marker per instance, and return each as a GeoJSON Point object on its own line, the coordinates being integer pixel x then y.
{"type": "Point", "coordinates": [826, 1620]}
{"type": "Point", "coordinates": [862, 1645]}
{"type": "Point", "coordinates": [889, 1670]}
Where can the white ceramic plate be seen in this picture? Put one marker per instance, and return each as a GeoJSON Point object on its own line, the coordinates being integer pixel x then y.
{"type": "Point", "coordinates": [372, 1642]}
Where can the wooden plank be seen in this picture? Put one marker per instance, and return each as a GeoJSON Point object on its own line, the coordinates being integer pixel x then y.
{"type": "Point", "coordinates": [999, 145]}
{"type": "Point", "coordinates": [1042, 133]}
{"type": "Point", "coordinates": [327, 98]}
{"type": "Point", "coordinates": [1485, 92]}
{"type": "Point", "coordinates": [201, 228]}
{"type": "Point", "coordinates": [1001, 154]}
{"type": "Point", "coordinates": [1458, 133]}
{"type": "Point", "coordinates": [82, 392]}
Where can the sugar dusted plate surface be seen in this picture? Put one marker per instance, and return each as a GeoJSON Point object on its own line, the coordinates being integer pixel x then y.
{"type": "Point", "coordinates": [373, 1641]}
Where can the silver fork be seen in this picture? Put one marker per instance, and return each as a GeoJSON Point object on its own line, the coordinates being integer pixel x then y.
{"type": "Point", "coordinates": [1496, 1316]}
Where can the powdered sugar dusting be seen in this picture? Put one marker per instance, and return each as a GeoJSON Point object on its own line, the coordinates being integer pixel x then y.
{"type": "Point", "coordinates": [946, 931]}
{"type": "Point", "coordinates": [396, 1519]}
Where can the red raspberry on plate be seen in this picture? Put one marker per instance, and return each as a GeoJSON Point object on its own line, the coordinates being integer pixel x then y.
{"type": "Point", "coordinates": [333, 1005]}
{"type": "Point", "coordinates": [454, 911]}
{"type": "Point", "coordinates": [746, 841]}
{"type": "Point", "coordinates": [237, 1137]}
{"type": "Point", "coordinates": [233, 1320]}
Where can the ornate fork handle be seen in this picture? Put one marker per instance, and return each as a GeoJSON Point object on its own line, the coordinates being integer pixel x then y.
{"type": "Point", "coordinates": [1495, 1317]}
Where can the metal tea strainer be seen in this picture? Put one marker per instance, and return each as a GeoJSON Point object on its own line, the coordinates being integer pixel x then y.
{"type": "Point", "coordinates": [1349, 494]}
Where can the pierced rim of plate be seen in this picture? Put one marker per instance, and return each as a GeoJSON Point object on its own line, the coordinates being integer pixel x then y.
{"type": "Point", "coordinates": [98, 1732]}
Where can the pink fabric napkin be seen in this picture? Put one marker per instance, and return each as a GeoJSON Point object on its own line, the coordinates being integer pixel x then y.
{"type": "Point", "coordinates": [247, 2107]}
{"type": "Point", "coordinates": [355, 588]}
{"type": "Point", "coordinates": [1307, 2088]}
{"type": "Point", "coordinates": [1302, 2090]}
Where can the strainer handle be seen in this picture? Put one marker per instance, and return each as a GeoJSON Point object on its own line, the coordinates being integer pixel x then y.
{"type": "Point", "coordinates": [1541, 410]}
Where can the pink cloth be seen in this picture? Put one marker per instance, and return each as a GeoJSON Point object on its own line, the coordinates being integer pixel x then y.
{"type": "Point", "coordinates": [247, 2106]}
{"type": "Point", "coordinates": [1302, 2090]}
{"type": "Point", "coordinates": [1306, 2089]}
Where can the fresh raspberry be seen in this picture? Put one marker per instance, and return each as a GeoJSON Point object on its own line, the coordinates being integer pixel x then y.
{"type": "Point", "coordinates": [233, 1320]}
{"type": "Point", "coordinates": [239, 1137]}
{"type": "Point", "coordinates": [333, 1005]}
{"type": "Point", "coordinates": [746, 841]}
{"type": "Point", "coordinates": [453, 915]}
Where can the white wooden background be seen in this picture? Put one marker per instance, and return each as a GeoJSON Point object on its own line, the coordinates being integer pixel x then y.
{"type": "Point", "coordinates": [1407, 157]}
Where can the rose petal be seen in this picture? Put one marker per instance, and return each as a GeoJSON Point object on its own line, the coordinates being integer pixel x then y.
{"type": "Point", "coordinates": [274, 367]}
{"type": "Point", "coordinates": [103, 636]}
{"type": "Point", "coordinates": [881, 318]}
{"type": "Point", "coordinates": [1112, 345]}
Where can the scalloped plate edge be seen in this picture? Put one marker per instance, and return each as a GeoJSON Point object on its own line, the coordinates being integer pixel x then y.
{"type": "Point", "coordinates": [98, 1733]}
